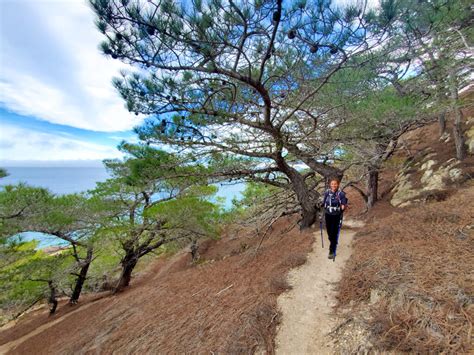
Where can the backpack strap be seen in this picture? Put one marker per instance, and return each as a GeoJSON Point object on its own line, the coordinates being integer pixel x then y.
{"type": "Point", "coordinates": [338, 197]}
{"type": "Point", "coordinates": [326, 194]}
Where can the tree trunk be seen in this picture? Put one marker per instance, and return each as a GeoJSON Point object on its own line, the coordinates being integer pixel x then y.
{"type": "Point", "coordinates": [194, 251]}
{"type": "Point", "coordinates": [372, 187]}
{"type": "Point", "coordinates": [128, 264]}
{"type": "Point", "coordinates": [309, 210]}
{"type": "Point", "coordinates": [306, 198]}
{"type": "Point", "coordinates": [459, 141]}
{"type": "Point", "coordinates": [308, 218]}
{"type": "Point", "coordinates": [53, 302]}
{"type": "Point", "coordinates": [308, 204]}
{"type": "Point", "coordinates": [442, 122]}
{"type": "Point", "coordinates": [441, 102]}
{"type": "Point", "coordinates": [82, 277]}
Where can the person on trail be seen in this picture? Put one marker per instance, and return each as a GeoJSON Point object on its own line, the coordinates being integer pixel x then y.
{"type": "Point", "coordinates": [334, 203]}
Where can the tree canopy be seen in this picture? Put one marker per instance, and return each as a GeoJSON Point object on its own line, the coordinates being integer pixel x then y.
{"type": "Point", "coordinates": [242, 78]}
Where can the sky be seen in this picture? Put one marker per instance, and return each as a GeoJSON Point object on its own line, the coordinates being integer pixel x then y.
{"type": "Point", "coordinates": [56, 98]}
{"type": "Point", "coordinates": [57, 102]}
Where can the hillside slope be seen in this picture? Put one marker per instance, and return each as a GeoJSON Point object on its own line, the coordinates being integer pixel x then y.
{"type": "Point", "coordinates": [409, 285]}
{"type": "Point", "coordinates": [225, 304]}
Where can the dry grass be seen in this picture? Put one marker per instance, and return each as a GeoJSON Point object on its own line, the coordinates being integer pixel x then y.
{"type": "Point", "coordinates": [419, 261]}
{"type": "Point", "coordinates": [256, 332]}
{"type": "Point", "coordinates": [295, 260]}
{"type": "Point", "coordinates": [227, 304]}
{"type": "Point", "coordinates": [279, 284]}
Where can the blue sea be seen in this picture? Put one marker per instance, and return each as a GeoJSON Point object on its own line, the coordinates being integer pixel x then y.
{"type": "Point", "coordinates": [64, 180]}
{"type": "Point", "coordinates": [60, 180]}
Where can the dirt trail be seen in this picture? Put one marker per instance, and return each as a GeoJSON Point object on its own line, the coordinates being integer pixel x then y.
{"type": "Point", "coordinates": [307, 308]}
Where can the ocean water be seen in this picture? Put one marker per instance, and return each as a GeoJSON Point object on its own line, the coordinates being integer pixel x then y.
{"type": "Point", "coordinates": [60, 180]}
{"type": "Point", "coordinates": [64, 180]}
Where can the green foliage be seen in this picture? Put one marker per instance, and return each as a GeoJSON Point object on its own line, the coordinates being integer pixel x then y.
{"type": "Point", "coordinates": [379, 115]}
{"type": "Point", "coordinates": [13, 250]}
{"type": "Point", "coordinates": [234, 87]}
{"type": "Point", "coordinates": [214, 83]}
{"type": "Point", "coordinates": [439, 35]}
{"type": "Point", "coordinates": [23, 279]}
{"type": "Point", "coordinates": [73, 218]}
{"type": "Point", "coordinates": [16, 200]}
{"type": "Point", "coordinates": [106, 265]}
{"type": "Point", "coordinates": [192, 214]}
{"type": "Point", "coordinates": [254, 195]}
{"type": "Point", "coordinates": [151, 187]}
{"type": "Point", "coordinates": [389, 10]}
{"type": "Point", "coordinates": [154, 201]}
{"type": "Point", "coordinates": [248, 84]}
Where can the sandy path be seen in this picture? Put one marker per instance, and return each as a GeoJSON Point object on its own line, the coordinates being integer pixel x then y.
{"type": "Point", "coordinates": [307, 308]}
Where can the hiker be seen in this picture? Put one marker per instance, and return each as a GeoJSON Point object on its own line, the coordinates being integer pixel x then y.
{"type": "Point", "coordinates": [334, 203]}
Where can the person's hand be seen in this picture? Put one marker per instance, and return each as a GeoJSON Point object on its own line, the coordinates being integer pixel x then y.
{"type": "Point", "coordinates": [343, 207]}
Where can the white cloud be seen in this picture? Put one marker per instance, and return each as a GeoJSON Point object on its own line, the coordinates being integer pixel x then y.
{"type": "Point", "coordinates": [133, 139]}
{"type": "Point", "coordinates": [370, 3]}
{"type": "Point", "coordinates": [51, 68]}
{"type": "Point", "coordinates": [25, 144]}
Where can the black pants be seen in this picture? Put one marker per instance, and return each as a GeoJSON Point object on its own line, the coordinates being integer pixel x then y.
{"type": "Point", "coordinates": [332, 227]}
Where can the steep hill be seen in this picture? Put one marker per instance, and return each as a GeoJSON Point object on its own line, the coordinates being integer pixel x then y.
{"type": "Point", "coordinates": [225, 304]}
{"type": "Point", "coordinates": [408, 284]}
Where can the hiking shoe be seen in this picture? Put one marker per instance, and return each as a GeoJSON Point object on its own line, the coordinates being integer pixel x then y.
{"type": "Point", "coordinates": [331, 255]}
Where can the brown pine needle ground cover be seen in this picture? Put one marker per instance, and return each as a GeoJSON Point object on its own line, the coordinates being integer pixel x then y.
{"type": "Point", "coordinates": [410, 280]}
{"type": "Point", "coordinates": [225, 304]}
